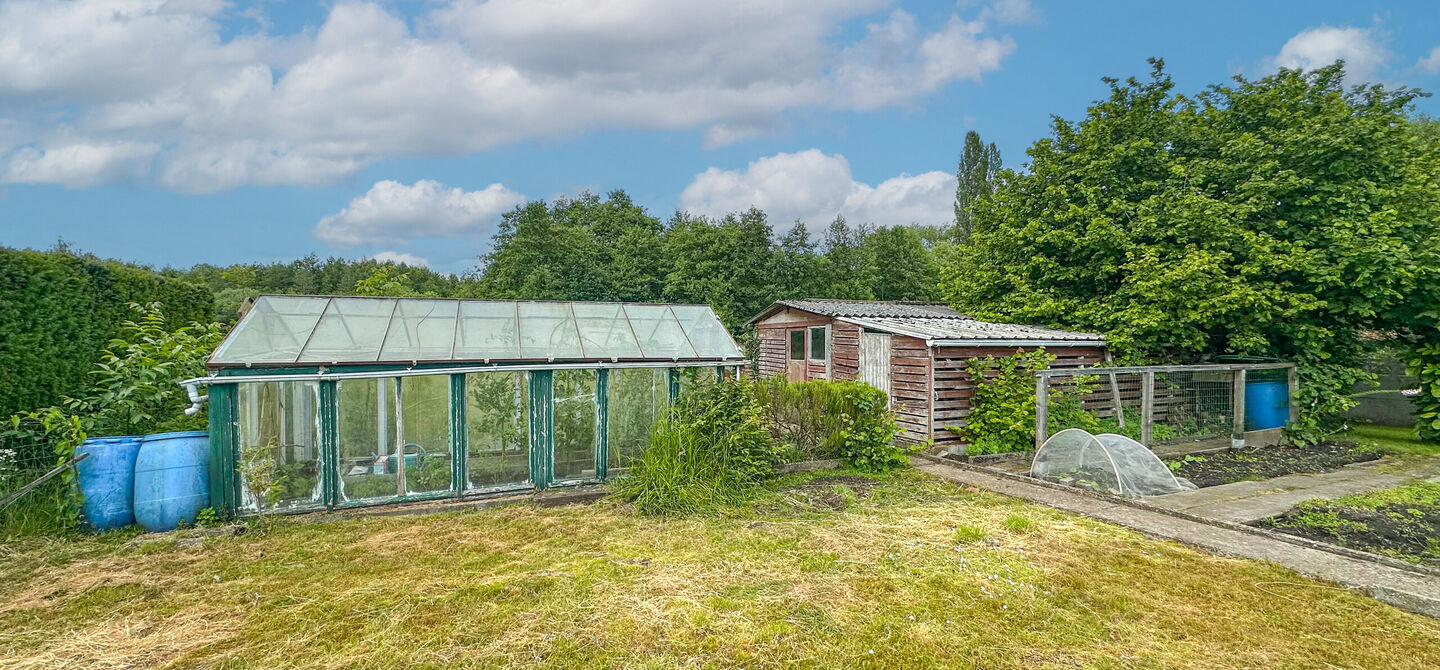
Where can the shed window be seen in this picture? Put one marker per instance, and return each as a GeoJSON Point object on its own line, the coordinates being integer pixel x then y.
{"type": "Point", "coordinates": [797, 345]}
{"type": "Point", "coordinates": [817, 344]}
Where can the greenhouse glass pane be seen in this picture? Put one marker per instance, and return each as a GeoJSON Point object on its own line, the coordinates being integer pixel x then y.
{"type": "Point", "coordinates": [548, 331]}
{"type": "Point", "coordinates": [659, 333]}
{"type": "Point", "coordinates": [706, 333]}
{"type": "Point", "coordinates": [574, 455]}
{"type": "Point", "coordinates": [636, 398]}
{"type": "Point", "coordinates": [273, 331]}
{"type": "Point", "coordinates": [487, 330]}
{"type": "Point", "coordinates": [696, 378]}
{"type": "Point", "coordinates": [422, 330]}
{"type": "Point", "coordinates": [426, 406]}
{"type": "Point", "coordinates": [497, 413]}
{"type": "Point", "coordinates": [366, 415]}
{"type": "Point", "coordinates": [281, 418]}
{"type": "Point", "coordinates": [351, 331]}
{"type": "Point", "coordinates": [605, 332]}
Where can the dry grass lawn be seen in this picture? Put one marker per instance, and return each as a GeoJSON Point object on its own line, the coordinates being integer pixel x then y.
{"type": "Point", "coordinates": [911, 572]}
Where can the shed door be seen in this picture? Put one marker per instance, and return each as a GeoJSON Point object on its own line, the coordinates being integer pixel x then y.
{"type": "Point", "coordinates": [796, 355]}
{"type": "Point", "coordinates": [875, 360]}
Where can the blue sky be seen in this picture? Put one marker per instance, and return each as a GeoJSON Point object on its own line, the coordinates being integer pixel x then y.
{"type": "Point", "coordinates": [173, 133]}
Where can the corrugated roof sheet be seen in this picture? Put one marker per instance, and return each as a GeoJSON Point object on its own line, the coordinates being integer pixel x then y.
{"type": "Point", "coordinates": [927, 320]}
{"type": "Point", "coordinates": [871, 308]}
{"type": "Point", "coordinates": [287, 329]}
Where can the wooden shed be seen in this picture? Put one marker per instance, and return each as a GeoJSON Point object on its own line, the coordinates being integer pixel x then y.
{"type": "Point", "coordinates": [915, 351]}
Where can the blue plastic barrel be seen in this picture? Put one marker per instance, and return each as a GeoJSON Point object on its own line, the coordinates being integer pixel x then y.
{"type": "Point", "coordinates": [107, 480]}
{"type": "Point", "coordinates": [172, 482]}
{"type": "Point", "coordinates": [1267, 404]}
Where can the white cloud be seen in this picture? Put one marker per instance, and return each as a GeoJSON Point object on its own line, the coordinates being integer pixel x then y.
{"type": "Point", "coordinates": [1010, 11]}
{"type": "Point", "coordinates": [813, 187]}
{"type": "Point", "coordinates": [228, 104]}
{"type": "Point", "coordinates": [1362, 50]}
{"type": "Point", "coordinates": [1430, 63]}
{"type": "Point", "coordinates": [393, 213]}
{"type": "Point", "coordinates": [400, 259]}
{"type": "Point", "coordinates": [79, 164]}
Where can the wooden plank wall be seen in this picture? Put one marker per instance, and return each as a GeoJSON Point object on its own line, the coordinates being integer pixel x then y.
{"type": "Point", "coordinates": [772, 350]}
{"type": "Point", "coordinates": [954, 388]}
{"type": "Point", "coordinates": [845, 350]}
{"type": "Point", "coordinates": [910, 387]}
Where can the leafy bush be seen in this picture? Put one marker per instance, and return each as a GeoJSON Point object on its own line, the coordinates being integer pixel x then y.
{"type": "Point", "coordinates": [55, 505]}
{"type": "Point", "coordinates": [136, 380]}
{"type": "Point", "coordinates": [844, 419]}
{"type": "Point", "coordinates": [1424, 364]}
{"type": "Point", "coordinates": [706, 451]}
{"type": "Point", "coordinates": [57, 310]}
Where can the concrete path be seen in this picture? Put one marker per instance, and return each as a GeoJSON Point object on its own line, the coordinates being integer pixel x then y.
{"type": "Point", "coordinates": [1402, 588]}
{"type": "Point", "coordinates": [1243, 502]}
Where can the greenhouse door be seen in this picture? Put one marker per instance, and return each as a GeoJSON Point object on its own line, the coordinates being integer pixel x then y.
{"type": "Point", "coordinates": [875, 360]}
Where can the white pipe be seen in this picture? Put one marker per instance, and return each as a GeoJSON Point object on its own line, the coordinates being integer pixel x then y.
{"type": "Point", "coordinates": [195, 397]}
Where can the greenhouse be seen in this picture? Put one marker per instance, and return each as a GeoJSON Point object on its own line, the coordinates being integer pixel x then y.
{"type": "Point", "coordinates": [363, 401]}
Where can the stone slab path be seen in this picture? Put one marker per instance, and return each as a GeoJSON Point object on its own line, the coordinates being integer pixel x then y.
{"type": "Point", "coordinates": [1402, 588]}
{"type": "Point", "coordinates": [1243, 502]}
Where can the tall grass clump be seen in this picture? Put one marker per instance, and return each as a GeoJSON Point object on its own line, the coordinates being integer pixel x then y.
{"type": "Point", "coordinates": [707, 451]}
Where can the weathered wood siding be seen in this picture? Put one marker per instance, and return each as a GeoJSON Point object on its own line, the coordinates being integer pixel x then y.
{"type": "Point", "coordinates": [845, 351]}
{"type": "Point", "coordinates": [773, 333]}
{"type": "Point", "coordinates": [954, 388]}
{"type": "Point", "coordinates": [910, 387]}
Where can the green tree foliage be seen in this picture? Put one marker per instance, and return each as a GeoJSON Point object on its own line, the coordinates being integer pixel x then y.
{"type": "Point", "coordinates": [849, 265]}
{"type": "Point", "coordinates": [974, 179]}
{"type": "Point", "coordinates": [388, 280]}
{"type": "Point", "coordinates": [59, 308]}
{"type": "Point", "coordinates": [310, 275]}
{"type": "Point", "coordinates": [724, 263]}
{"type": "Point", "coordinates": [797, 270]}
{"type": "Point", "coordinates": [904, 269]}
{"type": "Point", "coordinates": [1279, 217]}
{"type": "Point", "coordinates": [583, 248]}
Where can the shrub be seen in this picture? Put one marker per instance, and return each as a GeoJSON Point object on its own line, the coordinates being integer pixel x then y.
{"type": "Point", "coordinates": [1002, 414]}
{"type": "Point", "coordinates": [1424, 364]}
{"type": "Point", "coordinates": [845, 419]}
{"type": "Point", "coordinates": [706, 451]}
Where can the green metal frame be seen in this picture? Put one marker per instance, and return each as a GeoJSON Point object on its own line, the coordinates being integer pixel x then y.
{"type": "Point", "coordinates": [225, 490]}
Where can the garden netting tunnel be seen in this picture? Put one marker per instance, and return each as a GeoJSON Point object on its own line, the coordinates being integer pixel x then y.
{"type": "Point", "coordinates": [364, 401]}
{"type": "Point", "coordinates": [1107, 463]}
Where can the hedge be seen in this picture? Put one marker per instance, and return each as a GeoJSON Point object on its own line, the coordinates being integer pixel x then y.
{"type": "Point", "coordinates": [57, 311]}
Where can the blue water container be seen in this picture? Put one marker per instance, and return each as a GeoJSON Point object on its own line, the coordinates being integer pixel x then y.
{"type": "Point", "coordinates": [1267, 404]}
{"type": "Point", "coordinates": [172, 479]}
{"type": "Point", "coordinates": [107, 480]}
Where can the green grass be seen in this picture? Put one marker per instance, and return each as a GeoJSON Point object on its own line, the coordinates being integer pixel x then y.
{"type": "Point", "coordinates": [1397, 441]}
{"type": "Point", "coordinates": [899, 577]}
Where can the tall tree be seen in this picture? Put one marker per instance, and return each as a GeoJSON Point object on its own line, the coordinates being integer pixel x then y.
{"type": "Point", "coordinates": [725, 264]}
{"type": "Point", "coordinates": [1283, 217]}
{"type": "Point", "coordinates": [849, 270]}
{"type": "Point", "coordinates": [797, 271]}
{"type": "Point", "coordinates": [904, 268]}
{"type": "Point", "coordinates": [975, 178]}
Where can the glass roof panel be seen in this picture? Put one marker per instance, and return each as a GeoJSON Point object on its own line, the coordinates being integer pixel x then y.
{"type": "Point", "coordinates": [422, 330]}
{"type": "Point", "coordinates": [604, 331]}
{"type": "Point", "coordinates": [273, 331]}
{"type": "Point", "coordinates": [547, 330]}
{"type": "Point", "coordinates": [705, 331]}
{"type": "Point", "coordinates": [351, 330]}
{"type": "Point", "coordinates": [487, 330]}
{"type": "Point", "coordinates": [284, 330]}
{"type": "Point", "coordinates": [659, 333]}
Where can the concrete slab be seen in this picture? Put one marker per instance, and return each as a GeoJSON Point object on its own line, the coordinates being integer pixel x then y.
{"type": "Point", "coordinates": [1406, 589]}
{"type": "Point", "coordinates": [1243, 502]}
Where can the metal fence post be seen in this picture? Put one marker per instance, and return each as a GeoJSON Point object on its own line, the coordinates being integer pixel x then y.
{"type": "Point", "coordinates": [1147, 409]}
{"type": "Point", "coordinates": [1042, 408]}
{"type": "Point", "coordinates": [1237, 428]}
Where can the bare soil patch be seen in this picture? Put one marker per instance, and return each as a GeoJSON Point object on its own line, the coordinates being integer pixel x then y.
{"type": "Point", "coordinates": [1269, 462]}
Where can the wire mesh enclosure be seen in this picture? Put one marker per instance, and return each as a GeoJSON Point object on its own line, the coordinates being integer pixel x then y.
{"type": "Point", "coordinates": [1170, 409]}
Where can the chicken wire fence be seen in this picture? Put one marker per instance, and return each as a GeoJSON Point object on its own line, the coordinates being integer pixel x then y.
{"type": "Point", "coordinates": [1169, 409]}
